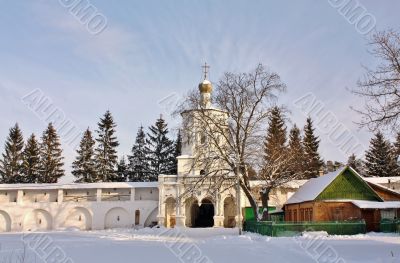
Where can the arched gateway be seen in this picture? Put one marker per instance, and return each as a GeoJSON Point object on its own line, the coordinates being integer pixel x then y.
{"type": "Point", "coordinates": [203, 215]}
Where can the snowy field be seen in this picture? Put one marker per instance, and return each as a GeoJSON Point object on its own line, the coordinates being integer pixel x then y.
{"type": "Point", "coordinates": [194, 245]}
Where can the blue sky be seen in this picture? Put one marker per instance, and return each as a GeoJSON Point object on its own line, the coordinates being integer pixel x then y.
{"type": "Point", "coordinates": [151, 50]}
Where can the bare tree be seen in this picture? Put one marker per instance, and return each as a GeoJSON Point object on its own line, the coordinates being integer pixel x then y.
{"type": "Point", "coordinates": [380, 87]}
{"type": "Point", "coordinates": [277, 172]}
{"type": "Point", "coordinates": [230, 134]}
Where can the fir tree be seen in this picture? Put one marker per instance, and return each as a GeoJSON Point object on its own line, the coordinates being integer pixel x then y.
{"type": "Point", "coordinates": [275, 142]}
{"type": "Point", "coordinates": [51, 160]}
{"type": "Point", "coordinates": [296, 151]}
{"type": "Point", "coordinates": [313, 162]}
{"type": "Point", "coordinates": [397, 145]}
{"type": "Point", "coordinates": [11, 163]}
{"type": "Point", "coordinates": [122, 171]}
{"type": "Point", "coordinates": [106, 153]}
{"type": "Point", "coordinates": [178, 152]}
{"type": "Point", "coordinates": [31, 161]}
{"type": "Point", "coordinates": [139, 170]}
{"type": "Point", "coordinates": [161, 150]}
{"type": "Point", "coordinates": [356, 163]}
{"type": "Point", "coordinates": [396, 152]}
{"type": "Point", "coordinates": [379, 157]}
{"type": "Point", "coordinates": [84, 166]}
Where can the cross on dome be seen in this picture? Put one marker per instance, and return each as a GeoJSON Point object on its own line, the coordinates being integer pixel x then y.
{"type": "Point", "coordinates": [205, 69]}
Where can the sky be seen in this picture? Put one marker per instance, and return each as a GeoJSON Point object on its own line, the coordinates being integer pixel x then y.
{"type": "Point", "coordinates": [148, 55]}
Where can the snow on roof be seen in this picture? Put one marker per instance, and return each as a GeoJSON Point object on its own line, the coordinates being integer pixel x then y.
{"type": "Point", "coordinates": [382, 180]}
{"type": "Point", "coordinates": [310, 190]}
{"type": "Point", "coordinates": [79, 185]}
{"type": "Point", "coordinates": [383, 187]}
{"type": "Point", "coordinates": [292, 184]}
{"type": "Point", "coordinates": [376, 205]}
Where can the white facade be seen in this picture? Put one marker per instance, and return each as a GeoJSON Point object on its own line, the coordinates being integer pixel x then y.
{"type": "Point", "coordinates": [182, 201]}
{"type": "Point", "coordinates": [33, 207]}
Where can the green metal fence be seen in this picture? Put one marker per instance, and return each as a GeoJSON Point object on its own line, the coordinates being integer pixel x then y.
{"type": "Point", "coordinates": [390, 226]}
{"type": "Point", "coordinates": [279, 229]}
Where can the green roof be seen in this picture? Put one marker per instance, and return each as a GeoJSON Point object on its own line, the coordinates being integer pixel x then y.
{"type": "Point", "coordinates": [348, 185]}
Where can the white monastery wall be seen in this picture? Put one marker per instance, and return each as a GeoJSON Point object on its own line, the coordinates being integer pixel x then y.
{"type": "Point", "coordinates": [83, 206]}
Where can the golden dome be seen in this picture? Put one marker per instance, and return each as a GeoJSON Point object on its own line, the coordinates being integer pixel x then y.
{"type": "Point", "coordinates": [205, 86]}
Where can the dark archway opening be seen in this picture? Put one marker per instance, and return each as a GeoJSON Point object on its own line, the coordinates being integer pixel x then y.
{"type": "Point", "coordinates": [203, 216]}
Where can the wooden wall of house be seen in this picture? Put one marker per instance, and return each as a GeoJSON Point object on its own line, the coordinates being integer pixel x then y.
{"type": "Point", "coordinates": [322, 211]}
{"type": "Point", "coordinates": [385, 194]}
{"type": "Point", "coordinates": [336, 211]}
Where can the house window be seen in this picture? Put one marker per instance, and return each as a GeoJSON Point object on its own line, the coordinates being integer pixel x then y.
{"type": "Point", "coordinates": [295, 215]}
{"type": "Point", "coordinates": [388, 214]}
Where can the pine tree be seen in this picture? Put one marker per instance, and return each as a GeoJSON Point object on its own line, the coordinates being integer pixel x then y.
{"type": "Point", "coordinates": [31, 161]}
{"type": "Point", "coordinates": [296, 151]}
{"type": "Point", "coordinates": [139, 170]}
{"type": "Point", "coordinates": [11, 163]}
{"type": "Point", "coordinates": [275, 142]}
{"type": "Point", "coordinates": [178, 152]}
{"type": "Point", "coordinates": [379, 157]}
{"type": "Point", "coordinates": [394, 161]}
{"type": "Point", "coordinates": [106, 153]}
{"type": "Point", "coordinates": [84, 166]}
{"type": "Point", "coordinates": [397, 145]}
{"type": "Point", "coordinates": [122, 171]}
{"type": "Point", "coordinates": [313, 162]}
{"type": "Point", "coordinates": [51, 164]}
{"type": "Point", "coordinates": [396, 152]}
{"type": "Point", "coordinates": [356, 164]}
{"type": "Point", "coordinates": [161, 150]}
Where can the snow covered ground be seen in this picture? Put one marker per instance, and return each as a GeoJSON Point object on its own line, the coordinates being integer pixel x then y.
{"type": "Point", "coordinates": [194, 245]}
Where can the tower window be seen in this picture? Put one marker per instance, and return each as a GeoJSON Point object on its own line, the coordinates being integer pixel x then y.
{"type": "Point", "coordinates": [203, 138]}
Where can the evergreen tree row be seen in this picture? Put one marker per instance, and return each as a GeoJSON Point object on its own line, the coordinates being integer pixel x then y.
{"type": "Point", "coordinates": [33, 161]}
{"type": "Point", "coordinates": [381, 159]}
{"type": "Point", "coordinates": [306, 160]}
{"type": "Point", "coordinates": [152, 154]}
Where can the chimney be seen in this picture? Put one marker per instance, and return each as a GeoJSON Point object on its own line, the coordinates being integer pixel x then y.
{"type": "Point", "coordinates": [321, 172]}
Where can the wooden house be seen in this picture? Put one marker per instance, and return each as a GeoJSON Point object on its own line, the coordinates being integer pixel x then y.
{"type": "Point", "coordinates": [341, 196]}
